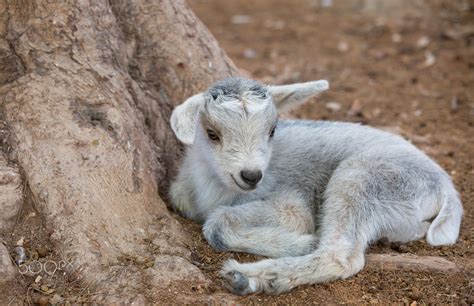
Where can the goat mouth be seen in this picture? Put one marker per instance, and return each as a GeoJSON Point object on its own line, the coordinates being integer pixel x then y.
{"type": "Point", "coordinates": [247, 188]}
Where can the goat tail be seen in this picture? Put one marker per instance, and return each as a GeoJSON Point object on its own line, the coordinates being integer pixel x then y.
{"type": "Point", "coordinates": [444, 229]}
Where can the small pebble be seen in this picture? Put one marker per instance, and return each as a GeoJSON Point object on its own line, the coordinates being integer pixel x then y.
{"type": "Point", "coordinates": [356, 108]}
{"type": "Point", "coordinates": [43, 301]}
{"type": "Point", "coordinates": [20, 242]}
{"type": "Point", "coordinates": [250, 53]}
{"type": "Point", "coordinates": [20, 255]}
{"type": "Point", "coordinates": [42, 251]}
{"type": "Point", "coordinates": [56, 299]}
{"type": "Point", "coordinates": [403, 249]}
{"type": "Point", "coordinates": [241, 19]}
{"type": "Point", "coordinates": [429, 59]}
{"type": "Point", "coordinates": [454, 104]}
{"type": "Point", "coordinates": [342, 46]}
{"type": "Point", "coordinates": [415, 293]}
{"type": "Point", "coordinates": [334, 106]}
{"type": "Point", "coordinates": [423, 42]}
{"type": "Point", "coordinates": [396, 37]}
{"type": "Point", "coordinates": [326, 3]}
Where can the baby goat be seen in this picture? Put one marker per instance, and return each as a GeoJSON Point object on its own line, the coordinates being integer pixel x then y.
{"type": "Point", "coordinates": [311, 194]}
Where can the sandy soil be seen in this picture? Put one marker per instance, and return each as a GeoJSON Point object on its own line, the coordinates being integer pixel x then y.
{"type": "Point", "coordinates": [406, 66]}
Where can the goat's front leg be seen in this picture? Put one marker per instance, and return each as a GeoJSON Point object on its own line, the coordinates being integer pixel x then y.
{"type": "Point", "coordinates": [181, 201]}
{"type": "Point", "coordinates": [283, 226]}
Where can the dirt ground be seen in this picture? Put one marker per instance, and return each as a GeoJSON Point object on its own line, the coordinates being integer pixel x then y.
{"type": "Point", "coordinates": [406, 66]}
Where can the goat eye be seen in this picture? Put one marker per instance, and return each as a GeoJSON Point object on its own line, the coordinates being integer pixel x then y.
{"type": "Point", "coordinates": [212, 135]}
{"type": "Point", "coordinates": [272, 132]}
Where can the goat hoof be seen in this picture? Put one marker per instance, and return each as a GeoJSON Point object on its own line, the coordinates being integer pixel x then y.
{"type": "Point", "coordinates": [238, 283]}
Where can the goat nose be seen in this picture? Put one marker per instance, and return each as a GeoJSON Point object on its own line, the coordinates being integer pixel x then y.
{"type": "Point", "coordinates": [251, 177]}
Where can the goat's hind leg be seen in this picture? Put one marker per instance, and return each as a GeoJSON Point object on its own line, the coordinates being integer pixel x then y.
{"type": "Point", "coordinates": [415, 232]}
{"type": "Point", "coordinates": [283, 226]}
{"type": "Point", "coordinates": [340, 254]}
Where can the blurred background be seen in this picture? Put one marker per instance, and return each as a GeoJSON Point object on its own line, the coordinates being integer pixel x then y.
{"type": "Point", "coordinates": [404, 66]}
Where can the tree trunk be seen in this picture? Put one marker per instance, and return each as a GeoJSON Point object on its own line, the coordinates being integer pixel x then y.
{"type": "Point", "coordinates": [86, 90]}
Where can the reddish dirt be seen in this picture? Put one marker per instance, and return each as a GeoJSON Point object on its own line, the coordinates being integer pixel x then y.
{"type": "Point", "coordinates": [407, 66]}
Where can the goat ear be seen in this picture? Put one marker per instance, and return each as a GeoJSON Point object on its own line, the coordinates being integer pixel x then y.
{"type": "Point", "coordinates": [184, 117]}
{"type": "Point", "coordinates": [286, 95]}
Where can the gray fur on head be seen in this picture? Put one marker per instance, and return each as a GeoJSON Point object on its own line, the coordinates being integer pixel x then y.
{"type": "Point", "coordinates": [236, 88]}
{"type": "Point", "coordinates": [235, 92]}
{"type": "Point", "coordinates": [313, 196]}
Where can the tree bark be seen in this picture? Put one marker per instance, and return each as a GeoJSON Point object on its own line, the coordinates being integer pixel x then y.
{"type": "Point", "coordinates": [86, 90]}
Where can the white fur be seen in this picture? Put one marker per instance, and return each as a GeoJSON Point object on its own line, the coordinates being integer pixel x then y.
{"type": "Point", "coordinates": [329, 189]}
{"type": "Point", "coordinates": [184, 129]}
{"type": "Point", "coordinates": [294, 94]}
